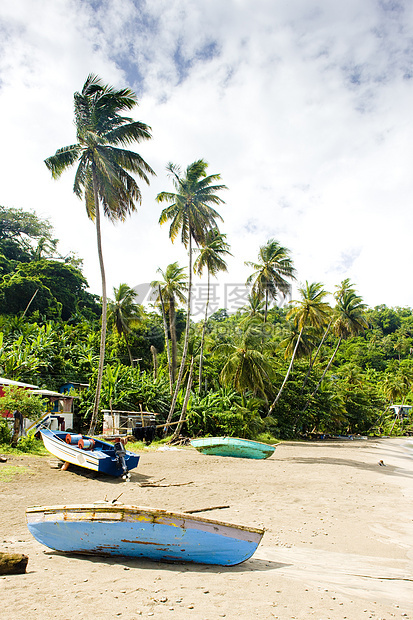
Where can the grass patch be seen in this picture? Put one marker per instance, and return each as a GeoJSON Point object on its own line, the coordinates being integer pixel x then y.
{"type": "Point", "coordinates": [26, 445]}
{"type": "Point", "coordinates": [8, 472]}
{"type": "Point", "coordinates": [139, 446]}
{"type": "Point", "coordinates": [267, 438]}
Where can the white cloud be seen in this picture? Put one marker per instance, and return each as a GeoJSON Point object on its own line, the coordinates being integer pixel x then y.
{"type": "Point", "coordinates": [304, 109]}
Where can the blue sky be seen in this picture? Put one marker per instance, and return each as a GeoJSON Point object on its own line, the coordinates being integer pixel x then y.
{"type": "Point", "coordinates": [304, 108]}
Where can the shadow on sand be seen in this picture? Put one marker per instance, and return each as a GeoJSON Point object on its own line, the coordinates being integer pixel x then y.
{"type": "Point", "coordinates": [251, 565]}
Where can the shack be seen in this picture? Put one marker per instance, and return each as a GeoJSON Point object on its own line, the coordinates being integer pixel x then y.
{"type": "Point", "coordinates": [140, 424]}
{"type": "Point", "coordinates": [401, 412]}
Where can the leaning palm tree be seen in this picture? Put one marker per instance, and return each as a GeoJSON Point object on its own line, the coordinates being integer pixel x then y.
{"type": "Point", "coordinates": [345, 285]}
{"type": "Point", "coordinates": [124, 313]}
{"type": "Point", "coordinates": [191, 215]}
{"type": "Point", "coordinates": [247, 366]}
{"type": "Point", "coordinates": [210, 256]}
{"type": "Point", "coordinates": [170, 290]}
{"type": "Point", "coordinates": [102, 177]}
{"type": "Point", "coordinates": [349, 320]}
{"type": "Point", "coordinates": [311, 311]}
{"type": "Point", "coordinates": [271, 273]}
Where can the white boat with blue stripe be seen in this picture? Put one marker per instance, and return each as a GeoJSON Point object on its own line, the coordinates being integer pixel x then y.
{"type": "Point", "coordinates": [91, 453]}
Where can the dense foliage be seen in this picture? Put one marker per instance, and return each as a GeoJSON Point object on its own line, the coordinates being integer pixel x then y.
{"type": "Point", "coordinates": [305, 369]}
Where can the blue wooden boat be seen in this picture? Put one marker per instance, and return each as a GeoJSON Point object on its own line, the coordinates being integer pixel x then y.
{"type": "Point", "coordinates": [100, 456]}
{"type": "Point", "coordinates": [114, 529]}
{"type": "Point", "coordinates": [233, 446]}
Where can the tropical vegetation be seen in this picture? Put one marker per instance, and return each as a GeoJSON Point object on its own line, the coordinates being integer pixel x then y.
{"type": "Point", "coordinates": [275, 368]}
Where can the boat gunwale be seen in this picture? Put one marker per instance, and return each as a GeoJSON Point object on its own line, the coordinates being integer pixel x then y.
{"type": "Point", "coordinates": [97, 448]}
{"type": "Point", "coordinates": [111, 508]}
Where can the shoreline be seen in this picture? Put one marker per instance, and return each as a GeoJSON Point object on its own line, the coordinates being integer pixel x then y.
{"type": "Point", "coordinates": [337, 545]}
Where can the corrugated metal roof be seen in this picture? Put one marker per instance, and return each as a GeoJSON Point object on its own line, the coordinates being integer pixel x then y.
{"type": "Point", "coordinates": [4, 381]}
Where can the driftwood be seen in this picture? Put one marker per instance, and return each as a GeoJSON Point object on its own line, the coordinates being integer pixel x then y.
{"type": "Point", "coordinates": [170, 484]}
{"type": "Point", "coordinates": [191, 512]}
{"type": "Point", "coordinates": [13, 563]}
{"type": "Point", "coordinates": [167, 424]}
{"type": "Point", "coordinates": [55, 464]}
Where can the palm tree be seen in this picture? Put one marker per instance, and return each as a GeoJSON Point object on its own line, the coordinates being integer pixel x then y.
{"type": "Point", "coordinates": [191, 215]}
{"type": "Point", "coordinates": [246, 367]}
{"type": "Point", "coordinates": [124, 313]}
{"type": "Point", "coordinates": [170, 290]}
{"type": "Point", "coordinates": [270, 273]}
{"type": "Point", "coordinates": [311, 311]}
{"type": "Point", "coordinates": [210, 256]}
{"type": "Point", "coordinates": [344, 286]}
{"type": "Point", "coordinates": [102, 176]}
{"type": "Point", "coordinates": [306, 341]}
{"type": "Point", "coordinates": [348, 320]}
{"type": "Point", "coordinates": [254, 309]}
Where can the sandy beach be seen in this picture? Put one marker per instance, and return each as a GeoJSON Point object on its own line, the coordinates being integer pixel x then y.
{"type": "Point", "coordinates": [338, 540]}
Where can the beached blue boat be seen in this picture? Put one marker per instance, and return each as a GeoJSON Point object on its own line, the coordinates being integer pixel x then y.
{"type": "Point", "coordinates": [101, 456]}
{"type": "Point", "coordinates": [233, 446]}
{"type": "Point", "coordinates": [114, 529]}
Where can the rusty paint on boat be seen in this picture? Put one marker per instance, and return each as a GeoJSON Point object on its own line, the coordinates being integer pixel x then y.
{"type": "Point", "coordinates": [120, 530]}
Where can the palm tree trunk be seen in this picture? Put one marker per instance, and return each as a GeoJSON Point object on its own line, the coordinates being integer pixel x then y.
{"type": "Point", "coordinates": [172, 331]}
{"type": "Point", "coordinates": [155, 362]}
{"type": "Point", "coordinates": [186, 400]}
{"type": "Point", "coordinates": [288, 372]}
{"type": "Point", "coordinates": [315, 356]}
{"type": "Point", "coordinates": [165, 327]}
{"type": "Point", "coordinates": [129, 351]}
{"type": "Point", "coordinates": [203, 338]}
{"type": "Point", "coordinates": [324, 374]}
{"type": "Point", "coordinates": [94, 417]}
{"type": "Point", "coordinates": [29, 304]}
{"type": "Point", "coordinates": [185, 350]}
{"type": "Point", "coordinates": [266, 305]}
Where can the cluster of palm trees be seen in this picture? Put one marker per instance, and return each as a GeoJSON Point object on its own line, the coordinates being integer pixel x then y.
{"type": "Point", "coordinates": [194, 219]}
{"type": "Point", "coordinates": [104, 180]}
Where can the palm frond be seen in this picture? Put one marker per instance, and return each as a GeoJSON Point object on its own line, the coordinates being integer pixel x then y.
{"type": "Point", "coordinates": [62, 159]}
{"type": "Point", "coordinates": [127, 134]}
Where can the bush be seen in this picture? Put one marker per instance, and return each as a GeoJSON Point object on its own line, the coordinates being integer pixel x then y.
{"type": "Point", "coordinates": [30, 444]}
{"type": "Point", "coordinates": [5, 432]}
{"type": "Point", "coordinates": [222, 413]}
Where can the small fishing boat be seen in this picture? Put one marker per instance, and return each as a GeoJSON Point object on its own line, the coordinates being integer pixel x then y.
{"type": "Point", "coordinates": [100, 456]}
{"type": "Point", "coordinates": [114, 529]}
{"type": "Point", "coordinates": [233, 446]}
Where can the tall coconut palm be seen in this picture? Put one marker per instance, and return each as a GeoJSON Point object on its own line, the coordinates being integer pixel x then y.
{"type": "Point", "coordinates": [102, 178]}
{"type": "Point", "coordinates": [191, 216]}
{"type": "Point", "coordinates": [310, 311]}
{"type": "Point", "coordinates": [124, 313]}
{"type": "Point", "coordinates": [170, 290]}
{"type": "Point", "coordinates": [210, 256]}
{"type": "Point", "coordinates": [348, 320]}
{"type": "Point", "coordinates": [271, 273]}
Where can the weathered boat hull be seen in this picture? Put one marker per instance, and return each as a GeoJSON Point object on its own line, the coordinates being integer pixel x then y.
{"type": "Point", "coordinates": [103, 458]}
{"type": "Point", "coordinates": [117, 530]}
{"type": "Point", "coordinates": [233, 446]}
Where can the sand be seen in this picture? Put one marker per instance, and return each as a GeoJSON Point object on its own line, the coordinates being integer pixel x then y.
{"type": "Point", "coordinates": [338, 540]}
